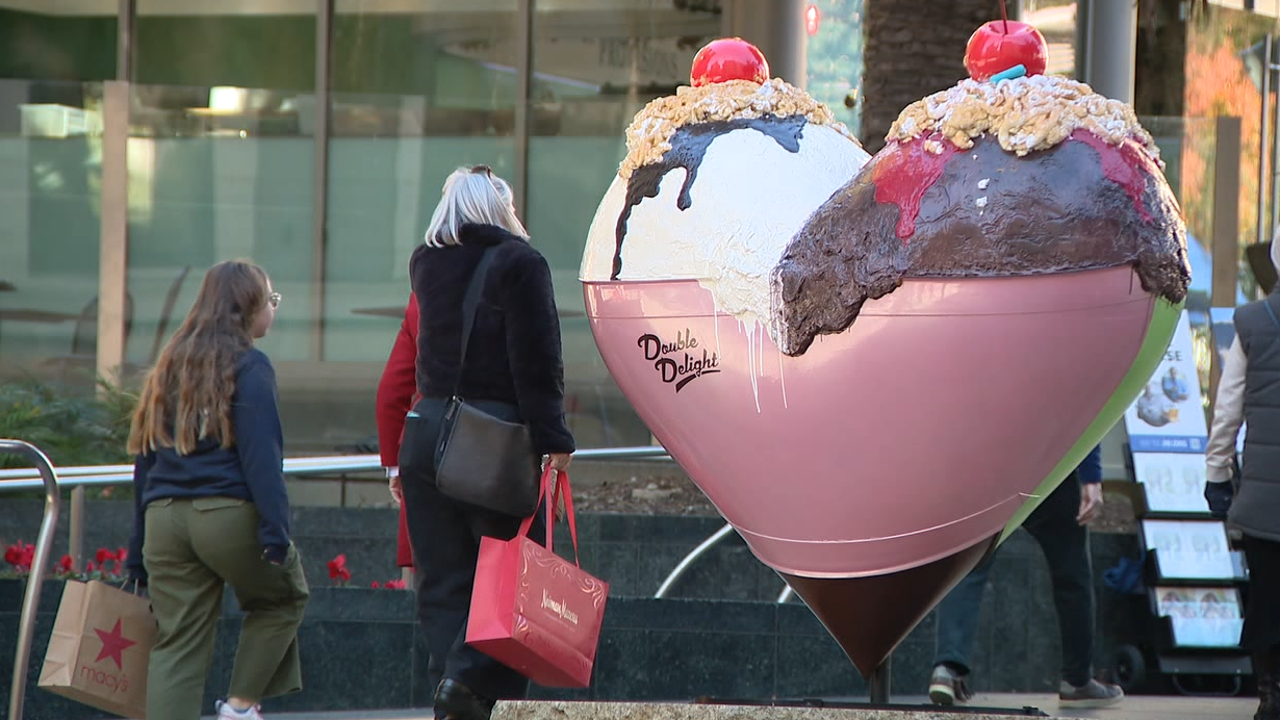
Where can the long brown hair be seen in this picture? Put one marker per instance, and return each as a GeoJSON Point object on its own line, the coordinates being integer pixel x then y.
{"type": "Point", "coordinates": [187, 395]}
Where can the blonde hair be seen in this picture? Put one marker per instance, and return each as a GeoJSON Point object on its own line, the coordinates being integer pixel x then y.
{"type": "Point", "coordinates": [187, 395]}
{"type": "Point", "coordinates": [472, 195]}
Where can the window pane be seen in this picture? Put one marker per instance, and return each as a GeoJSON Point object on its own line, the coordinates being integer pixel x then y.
{"type": "Point", "coordinates": [595, 66]}
{"type": "Point", "coordinates": [834, 58]}
{"type": "Point", "coordinates": [221, 166]}
{"type": "Point", "coordinates": [419, 88]}
{"type": "Point", "coordinates": [50, 147]}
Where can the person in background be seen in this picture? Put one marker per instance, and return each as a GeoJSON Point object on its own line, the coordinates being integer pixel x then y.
{"type": "Point", "coordinates": [397, 391]}
{"type": "Point", "coordinates": [1059, 526]}
{"type": "Point", "coordinates": [1249, 393]}
{"type": "Point", "coordinates": [210, 505]}
{"type": "Point", "coordinates": [513, 369]}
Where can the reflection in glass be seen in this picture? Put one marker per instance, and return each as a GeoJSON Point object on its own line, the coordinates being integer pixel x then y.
{"type": "Point", "coordinates": [593, 70]}
{"type": "Point", "coordinates": [221, 166]}
{"type": "Point", "coordinates": [50, 149]}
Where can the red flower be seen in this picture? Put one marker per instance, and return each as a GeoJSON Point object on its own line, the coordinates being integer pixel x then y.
{"type": "Point", "coordinates": [64, 565]}
{"type": "Point", "coordinates": [395, 585]}
{"type": "Point", "coordinates": [338, 571]}
{"type": "Point", "coordinates": [90, 567]}
{"type": "Point", "coordinates": [20, 555]}
{"type": "Point", "coordinates": [103, 555]}
{"type": "Point", "coordinates": [375, 584]}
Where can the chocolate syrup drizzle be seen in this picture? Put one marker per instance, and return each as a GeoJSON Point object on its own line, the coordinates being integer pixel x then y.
{"type": "Point", "coordinates": [688, 146]}
{"type": "Point", "coordinates": [989, 214]}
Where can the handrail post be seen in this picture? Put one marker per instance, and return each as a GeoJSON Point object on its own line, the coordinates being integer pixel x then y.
{"type": "Point", "coordinates": [39, 563]}
{"type": "Point", "coordinates": [75, 536]}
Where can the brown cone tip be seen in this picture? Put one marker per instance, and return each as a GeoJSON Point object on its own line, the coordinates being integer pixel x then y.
{"type": "Point", "coordinates": [869, 616]}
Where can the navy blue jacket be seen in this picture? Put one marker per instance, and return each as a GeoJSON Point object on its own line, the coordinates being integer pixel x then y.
{"type": "Point", "coordinates": [1090, 469]}
{"type": "Point", "coordinates": [252, 469]}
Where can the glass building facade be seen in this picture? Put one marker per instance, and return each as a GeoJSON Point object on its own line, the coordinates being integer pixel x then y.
{"type": "Point", "coordinates": [142, 141]}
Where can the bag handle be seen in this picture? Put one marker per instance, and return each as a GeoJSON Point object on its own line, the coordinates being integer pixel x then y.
{"type": "Point", "coordinates": [553, 500]}
{"type": "Point", "coordinates": [469, 305]}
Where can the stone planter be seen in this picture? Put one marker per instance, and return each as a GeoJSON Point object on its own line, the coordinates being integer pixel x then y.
{"type": "Point", "coordinates": [360, 646]}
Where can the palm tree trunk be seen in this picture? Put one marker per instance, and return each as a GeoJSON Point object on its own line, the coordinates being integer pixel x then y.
{"type": "Point", "coordinates": [914, 48]}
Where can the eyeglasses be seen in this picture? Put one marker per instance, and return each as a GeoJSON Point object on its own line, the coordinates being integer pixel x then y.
{"type": "Point", "coordinates": [274, 300]}
{"type": "Point", "coordinates": [485, 169]}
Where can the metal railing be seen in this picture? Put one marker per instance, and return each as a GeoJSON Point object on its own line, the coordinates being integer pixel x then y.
{"type": "Point", "coordinates": [703, 547]}
{"type": "Point", "coordinates": [39, 562]}
{"type": "Point", "coordinates": [82, 476]}
{"type": "Point", "coordinates": [44, 476]}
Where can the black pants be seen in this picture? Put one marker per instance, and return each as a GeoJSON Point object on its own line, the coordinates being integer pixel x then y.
{"type": "Point", "coordinates": [1262, 614]}
{"type": "Point", "coordinates": [445, 535]}
{"type": "Point", "coordinates": [1065, 544]}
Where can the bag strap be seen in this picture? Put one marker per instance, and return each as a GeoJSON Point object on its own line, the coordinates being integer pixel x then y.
{"type": "Point", "coordinates": [563, 486]}
{"type": "Point", "coordinates": [469, 305]}
{"type": "Point", "coordinates": [553, 500]}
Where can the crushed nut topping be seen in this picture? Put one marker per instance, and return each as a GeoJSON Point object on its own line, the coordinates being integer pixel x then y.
{"type": "Point", "coordinates": [649, 135]}
{"type": "Point", "coordinates": [1026, 114]}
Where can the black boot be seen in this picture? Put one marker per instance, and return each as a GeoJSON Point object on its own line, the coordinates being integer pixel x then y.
{"type": "Point", "coordinates": [1266, 668]}
{"type": "Point", "coordinates": [459, 703]}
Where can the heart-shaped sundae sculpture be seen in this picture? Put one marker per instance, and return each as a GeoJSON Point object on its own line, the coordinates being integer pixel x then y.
{"type": "Point", "coordinates": [876, 368]}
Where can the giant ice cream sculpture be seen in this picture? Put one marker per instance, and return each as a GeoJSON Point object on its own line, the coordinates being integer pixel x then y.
{"type": "Point", "coordinates": [875, 369]}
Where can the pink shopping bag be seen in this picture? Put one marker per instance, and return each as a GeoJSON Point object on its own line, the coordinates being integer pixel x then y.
{"type": "Point", "coordinates": [533, 610]}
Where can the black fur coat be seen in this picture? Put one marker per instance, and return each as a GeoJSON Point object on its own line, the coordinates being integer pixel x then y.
{"type": "Point", "coordinates": [514, 352]}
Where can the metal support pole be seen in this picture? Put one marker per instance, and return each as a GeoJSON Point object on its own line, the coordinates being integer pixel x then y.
{"type": "Point", "coordinates": [320, 188]}
{"type": "Point", "coordinates": [878, 682]}
{"type": "Point", "coordinates": [1111, 47]}
{"type": "Point", "coordinates": [75, 534]}
{"type": "Point", "coordinates": [1270, 67]}
{"type": "Point", "coordinates": [524, 109]}
{"type": "Point", "coordinates": [1266, 131]}
{"type": "Point", "coordinates": [1225, 249]}
{"type": "Point", "coordinates": [777, 28]}
{"type": "Point", "coordinates": [44, 550]}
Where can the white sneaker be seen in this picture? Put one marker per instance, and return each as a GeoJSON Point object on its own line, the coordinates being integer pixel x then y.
{"type": "Point", "coordinates": [226, 712]}
{"type": "Point", "coordinates": [947, 687]}
{"type": "Point", "coordinates": [1092, 694]}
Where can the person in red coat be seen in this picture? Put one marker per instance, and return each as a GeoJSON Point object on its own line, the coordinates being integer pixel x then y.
{"type": "Point", "coordinates": [397, 391]}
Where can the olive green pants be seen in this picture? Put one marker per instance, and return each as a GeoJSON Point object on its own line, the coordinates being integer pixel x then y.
{"type": "Point", "coordinates": [192, 548]}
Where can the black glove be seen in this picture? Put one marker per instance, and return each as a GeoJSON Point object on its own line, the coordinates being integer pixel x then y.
{"type": "Point", "coordinates": [275, 554]}
{"type": "Point", "coordinates": [1219, 495]}
{"type": "Point", "coordinates": [138, 575]}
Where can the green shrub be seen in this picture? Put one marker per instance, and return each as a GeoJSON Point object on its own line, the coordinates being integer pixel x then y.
{"type": "Point", "coordinates": [71, 427]}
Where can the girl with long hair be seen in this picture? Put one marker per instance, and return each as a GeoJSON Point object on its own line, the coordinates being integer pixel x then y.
{"type": "Point", "coordinates": [210, 507]}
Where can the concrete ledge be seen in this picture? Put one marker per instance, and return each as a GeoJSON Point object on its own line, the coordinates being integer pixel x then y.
{"type": "Point", "coordinates": [984, 706]}
{"type": "Point", "coordinates": [700, 711]}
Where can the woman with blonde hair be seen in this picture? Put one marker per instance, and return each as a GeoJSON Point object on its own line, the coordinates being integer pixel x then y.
{"type": "Point", "coordinates": [210, 507]}
{"type": "Point", "coordinates": [512, 369]}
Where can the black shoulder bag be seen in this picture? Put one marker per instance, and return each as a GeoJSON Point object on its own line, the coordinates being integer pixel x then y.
{"type": "Point", "coordinates": [483, 459]}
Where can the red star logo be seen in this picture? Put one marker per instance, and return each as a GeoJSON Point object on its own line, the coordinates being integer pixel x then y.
{"type": "Point", "coordinates": [113, 644]}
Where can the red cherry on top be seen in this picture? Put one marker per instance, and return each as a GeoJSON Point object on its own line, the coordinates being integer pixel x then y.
{"type": "Point", "coordinates": [728, 59]}
{"type": "Point", "coordinates": [991, 49]}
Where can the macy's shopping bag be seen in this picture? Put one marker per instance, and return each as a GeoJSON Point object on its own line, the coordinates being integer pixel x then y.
{"type": "Point", "coordinates": [98, 652]}
{"type": "Point", "coordinates": [533, 610]}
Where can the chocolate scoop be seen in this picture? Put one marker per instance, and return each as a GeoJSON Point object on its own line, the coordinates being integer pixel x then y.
{"type": "Point", "coordinates": [982, 212]}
